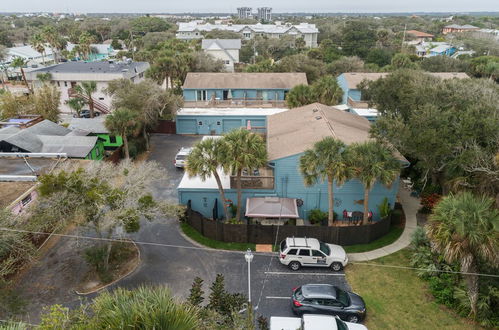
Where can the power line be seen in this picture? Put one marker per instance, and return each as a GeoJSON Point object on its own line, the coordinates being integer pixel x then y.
{"type": "Point", "coordinates": [120, 240]}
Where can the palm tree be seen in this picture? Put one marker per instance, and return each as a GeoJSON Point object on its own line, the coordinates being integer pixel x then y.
{"type": "Point", "coordinates": [20, 63]}
{"type": "Point", "coordinates": [122, 122]}
{"type": "Point", "coordinates": [327, 91]}
{"type": "Point", "coordinates": [463, 228]}
{"type": "Point", "coordinates": [326, 161]}
{"type": "Point", "coordinates": [300, 95]}
{"type": "Point", "coordinates": [51, 36]}
{"type": "Point", "coordinates": [76, 103]}
{"type": "Point", "coordinates": [205, 159]}
{"type": "Point", "coordinates": [38, 44]}
{"type": "Point", "coordinates": [371, 162]}
{"type": "Point", "coordinates": [86, 89]}
{"type": "Point", "coordinates": [142, 308]}
{"type": "Point", "coordinates": [244, 150]}
{"type": "Point", "coordinates": [84, 43]}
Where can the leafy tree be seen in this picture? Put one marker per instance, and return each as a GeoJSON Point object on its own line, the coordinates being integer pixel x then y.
{"type": "Point", "coordinates": [443, 64]}
{"type": "Point", "coordinates": [329, 51]}
{"type": "Point", "coordinates": [122, 122]}
{"type": "Point", "coordinates": [221, 34]}
{"type": "Point", "coordinates": [373, 162]}
{"type": "Point", "coordinates": [300, 95]}
{"type": "Point", "coordinates": [302, 63]}
{"type": "Point", "coordinates": [203, 62]}
{"type": "Point", "coordinates": [150, 24]}
{"type": "Point", "coordinates": [379, 56]}
{"type": "Point", "coordinates": [403, 61]}
{"type": "Point", "coordinates": [46, 101]}
{"type": "Point", "coordinates": [327, 161]}
{"type": "Point", "coordinates": [244, 150]}
{"type": "Point", "coordinates": [14, 105]}
{"type": "Point", "coordinates": [327, 91]}
{"type": "Point", "coordinates": [346, 64]}
{"type": "Point", "coordinates": [116, 44]}
{"type": "Point", "coordinates": [463, 228]}
{"type": "Point", "coordinates": [206, 158]}
{"type": "Point", "coordinates": [486, 67]}
{"type": "Point", "coordinates": [266, 65]}
{"type": "Point", "coordinates": [196, 296]}
{"type": "Point", "coordinates": [357, 38]}
{"type": "Point", "coordinates": [85, 90]}
{"type": "Point", "coordinates": [152, 39]}
{"type": "Point", "coordinates": [77, 104]}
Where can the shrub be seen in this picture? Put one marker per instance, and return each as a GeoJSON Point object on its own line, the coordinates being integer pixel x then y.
{"type": "Point", "coordinates": [428, 202]}
{"type": "Point", "coordinates": [442, 287]}
{"type": "Point", "coordinates": [316, 216]}
{"type": "Point", "coordinates": [384, 208]}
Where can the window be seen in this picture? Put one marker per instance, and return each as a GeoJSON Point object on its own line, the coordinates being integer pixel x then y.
{"type": "Point", "coordinates": [227, 62]}
{"type": "Point", "coordinates": [218, 123]}
{"type": "Point", "coordinates": [201, 95]}
{"type": "Point", "coordinates": [65, 84]}
{"type": "Point", "coordinates": [316, 253]}
{"type": "Point", "coordinates": [101, 98]}
{"type": "Point", "coordinates": [292, 252]}
{"type": "Point", "coordinates": [247, 35]}
{"type": "Point", "coordinates": [200, 123]}
{"type": "Point", "coordinates": [141, 75]}
{"type": "Point", "coordinates": [332, 302]}
{"type": "Point", "coordinates": [304, 252]}
{"type": "Point", "coordinates": [58, 84]}
{"type": "Point", "coordinates": [25, 201]}
{"type": "Point", "coordinates": [112, 139]}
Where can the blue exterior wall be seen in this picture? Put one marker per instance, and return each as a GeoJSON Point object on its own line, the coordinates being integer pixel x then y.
{"type": "Point", "coordinates": [218, 124]}
{"type": "Point", "coordinates": [447, 52]}
{"type": "Point", "coordinates": [267, 94]}
{"type": "Point", "coordinates": [289, 183]}
{"type": "Point", "coordinates": [355, 94]}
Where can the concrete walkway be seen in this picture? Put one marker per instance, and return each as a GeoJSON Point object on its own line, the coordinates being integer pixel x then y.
{"type": "Point", "coordinates": [411, 206]}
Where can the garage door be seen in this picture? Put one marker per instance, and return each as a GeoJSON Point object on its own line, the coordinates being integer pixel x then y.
{"type": "Point", "coordinates": [186, 126]}
{"type": "Point", "coordinates": [257, 122]}
{"type": "Point", "coordinates": [230, 124]}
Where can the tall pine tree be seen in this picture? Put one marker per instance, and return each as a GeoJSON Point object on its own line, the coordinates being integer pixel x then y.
{"type": "Point", "coordinates": [196, 296]}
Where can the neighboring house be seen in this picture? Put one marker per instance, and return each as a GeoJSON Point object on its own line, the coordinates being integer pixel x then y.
{"type": "Point", "coordinates": [95, 127]}
{"type": "Point", "coordinates": [226, 50]}
{"type": "Point", "coordinates": [420, 36]}
{"type": "Point", "coordinates": [29, 55]}
{"type": "Point", "coordinates": [48, 137]}
{"type": "Point", "coordinates": [352, 95]}
{"type": "Point", "coordinates": [195, 30]}
{"type": "Point", "coordinates": [67, 75]}
{"type": "Point", "coordinates": [99, 52]}
{"type": "Point", "coordinates": [429, 49]}
{"type": "Point", "coordinates": [289, 135]}
{"type": "Point", "coordinates": [455, 28]}
{"type": "Point", "coordinates": [216, 103]}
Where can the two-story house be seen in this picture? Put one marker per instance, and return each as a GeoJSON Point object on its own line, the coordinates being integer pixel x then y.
{"type": "Point", "coordinates": [289, 135]}
{"type": "Point", "coordinates": [65, 76]}
{"type": "Point", "coordinates": [226, 50]}
{"type": "Point", "coordinates": [215, 103]}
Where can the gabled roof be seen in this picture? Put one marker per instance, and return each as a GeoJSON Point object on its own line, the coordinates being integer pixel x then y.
{"type": "Point", "coordinates": [91, 125]}
{"type": "Point", "coordinates": [244, 80]}
{"type": "Point", "coordinates": [47, 127]}
{"type": "Point", "coordinates": [74, 146]}
{"type": "Point", "coordinates": [222, 43]}
{"type": "Point", "coordinates": [420, 34]}
{"type": "Point", "coordinates": [297, 130]}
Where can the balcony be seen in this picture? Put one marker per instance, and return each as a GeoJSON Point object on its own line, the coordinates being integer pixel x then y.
{"type": "Point", "coordinates": [357, 104]}
{"type": "Point", "coordinates": [236, 103]}
{"type": "Point", "coordinates": [262, 178]}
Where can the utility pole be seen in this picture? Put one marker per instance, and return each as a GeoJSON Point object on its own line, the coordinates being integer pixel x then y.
{"type": "Point", "coordinates": [131, 45]}
{"type": "Point", "coordinates": [403, 38]}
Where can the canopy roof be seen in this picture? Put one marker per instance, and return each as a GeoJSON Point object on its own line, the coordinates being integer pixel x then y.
{"type": "Point", "coordinates": [271, 207]}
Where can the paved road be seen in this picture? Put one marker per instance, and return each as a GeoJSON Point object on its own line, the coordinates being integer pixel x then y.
{"type": "Point", "coordinates": [176, 267]}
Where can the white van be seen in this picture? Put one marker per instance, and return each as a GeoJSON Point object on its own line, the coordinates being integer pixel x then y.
{"type": "Point", "coordinates": [181, 157]}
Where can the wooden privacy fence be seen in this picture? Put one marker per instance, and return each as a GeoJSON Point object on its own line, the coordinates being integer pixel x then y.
{"type": "Point", "coordinates": [261, 234]}
{"type": "Point", "coordinates": [165, 127]}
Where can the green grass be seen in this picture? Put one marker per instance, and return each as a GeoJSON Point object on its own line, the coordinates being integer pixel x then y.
{"type": "Point", "coordinates": [398, 298]}
{"type": "Point", "coordinates": [389, 238]}
{"type": "Point", "coordinates": [196, 236]}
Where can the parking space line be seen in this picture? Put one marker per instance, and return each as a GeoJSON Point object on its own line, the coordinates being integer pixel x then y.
{"type": "Point", "coordinates": [295, 273]}
{"type": "Point", "coordinates": [271, 297]}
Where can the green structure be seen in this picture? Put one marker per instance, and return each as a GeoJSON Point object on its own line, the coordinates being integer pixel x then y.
{"type": "Point", "coordinates": [95, 127]}
{"type": "Point", "coordinates": [97, 153]}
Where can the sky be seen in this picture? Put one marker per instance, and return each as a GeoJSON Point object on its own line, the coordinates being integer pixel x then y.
{"type": "Point", "coordinates": [310, 6]}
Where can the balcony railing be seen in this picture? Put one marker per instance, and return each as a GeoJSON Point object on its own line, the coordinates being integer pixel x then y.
{"type": "Point", "coordinates": [262, 178]}
{"type": "Point", "coordinates": [236, 103]}
{"type": "Point", "coordinates": [357, 104]}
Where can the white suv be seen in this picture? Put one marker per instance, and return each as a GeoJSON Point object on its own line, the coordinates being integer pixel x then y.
{"type": "Point", "coordinates": [297, 252]}
{"type": "Point", "coordinates": [181, 157]}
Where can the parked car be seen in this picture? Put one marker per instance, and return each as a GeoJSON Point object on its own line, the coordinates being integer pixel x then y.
{"type": "Point", "coordinates": [297, 252]}
{"type": "Point", "coordinates": [312, 322]}
{"type": "Point", "coordinates": [85, 113]}
{"type": "Point", "coordinates": [181, 157]}
{"type": "Point", "coordinates": [328, 299]}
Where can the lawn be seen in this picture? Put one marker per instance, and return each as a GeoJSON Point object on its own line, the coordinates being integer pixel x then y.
{"type": "Point", "coordinates": [398, 299]}
{"type": "Point", "coordinates": [196, 236]}
{"type": "Point", "coordinates": [389, 238]}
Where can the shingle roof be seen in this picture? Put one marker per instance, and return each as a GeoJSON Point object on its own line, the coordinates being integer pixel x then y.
{"type": "Point", "coordinates": [74, 146]}
{"type": "Point", "coordinates": [93, 67]}
{"type": "Point", "coordinates": [92, 125]}
{"type": "Point", "coordinates": [420, 34]}
{"type": "Point", "coordinates": [353, 79]}
{"type": "Point", "coordinates": [223, 43]}
{"type": "Point", "coordinates": [244, 80]}
{"type": "Point", "coordinates": [47, 127]}
{"type": "Point", "coordinates": [296, 130]}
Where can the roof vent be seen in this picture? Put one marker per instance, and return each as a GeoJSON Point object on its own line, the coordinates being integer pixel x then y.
{"type": "Point", "coordinates": [315, 110]}
{"type": "Point", "coordinates": [318, 117]}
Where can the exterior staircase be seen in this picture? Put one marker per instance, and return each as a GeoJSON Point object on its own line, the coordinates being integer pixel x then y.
{"type": "Point", "coordinates": [99, 106]}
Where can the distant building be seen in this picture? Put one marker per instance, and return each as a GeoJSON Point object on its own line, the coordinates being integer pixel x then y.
{"type": "Point", "coordinates": [98, 52]}
{"type": "Point", "coordinates": [195, 30]}
{"type": "Point", "coordinates": [429, 49]}
{"type": "Point", "coordinates": [244, 12]}
{"type": "Point", "coordinates": [264, 14]}
{"type": "Point", "coordinates": [455, 28]}
{"type": "Point", "coordinates": [29, 55]}
{"type": "Point", "coordinates": [420, 36]}
{"type": "Point", "coordinates": [69, 74]}
{"type": "Point", "coordinates": [226, 50]}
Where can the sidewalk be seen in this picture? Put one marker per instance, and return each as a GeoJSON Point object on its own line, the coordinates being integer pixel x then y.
{"type": "Point", "coordinates": [411, 206]}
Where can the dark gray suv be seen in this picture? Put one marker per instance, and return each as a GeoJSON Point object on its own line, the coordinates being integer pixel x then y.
{"type": "Point", "coordinates": [328, 299]}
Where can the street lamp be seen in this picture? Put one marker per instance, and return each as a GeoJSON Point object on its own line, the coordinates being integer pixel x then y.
{"type": "Point", "coordinates": [249, 257]}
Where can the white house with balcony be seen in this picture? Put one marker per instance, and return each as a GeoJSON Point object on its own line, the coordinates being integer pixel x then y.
{"type": "Point", "coordinates": [226, 50]}
{"type": "Point", "coordinates": [196, 29]}
{"type": "Point", "coordinates": [65, 76]}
